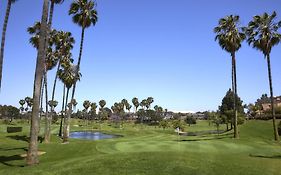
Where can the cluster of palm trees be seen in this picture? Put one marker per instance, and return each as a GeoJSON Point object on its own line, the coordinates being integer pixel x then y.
{"type": "Point", "coordinates": [262, 34]}
{"type": "Point", "coordinates": [54, 49]}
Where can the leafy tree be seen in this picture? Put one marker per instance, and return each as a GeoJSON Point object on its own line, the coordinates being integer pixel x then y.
{"type": "Point", "coordinates": [190, 120]}
{"type": "Point", "coordinates": [8, 111]}
{"type": "Point", "coordinates": [10, 2]}
{"type": "Point", "coordinates": [164, 124]}
{"type": "Point", "coordinates": [227, 107]}
{"type": "Point", "coordinates": [262, 34]}
{"type": "Point", "coordinates": [178, 124]}
{"type": "Point", "coordinates": [230, 37]}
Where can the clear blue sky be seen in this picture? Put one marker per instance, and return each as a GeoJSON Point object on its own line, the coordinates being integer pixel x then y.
{"type": "Point", "coordinates": [160, 48]}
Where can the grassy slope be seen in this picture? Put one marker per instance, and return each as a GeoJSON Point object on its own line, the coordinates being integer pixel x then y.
{"type": "Point", "coordinates": [150, 150]}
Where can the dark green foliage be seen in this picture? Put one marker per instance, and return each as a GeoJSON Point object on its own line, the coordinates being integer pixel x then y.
{"type": "Point", "coordinates": [164, 124]}
{"type": "Point", "coordinates": [190, 120]}
{"type": "Point", "coordinates": [227, 107]}
{"type": "Point", "coordinates": [178, 124]}
{"type": "Point", "coordinates": [14, 129]}
{"type": "Point", "coordinates": [8, 111]}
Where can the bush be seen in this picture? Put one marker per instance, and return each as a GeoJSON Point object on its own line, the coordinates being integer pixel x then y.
{"type": "Point", "coordinates": [13, 129]}
{"type": "Point", "coordinates": [190, 120]}
{"type": "Point", "coordinates": [164, 124]}
{"type": "Point", "coordinates": [178, 124]}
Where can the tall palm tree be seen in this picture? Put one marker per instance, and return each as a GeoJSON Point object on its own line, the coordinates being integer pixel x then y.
{"type": "Point", "coordinates": [230, 37]}
{"type": "Point", "coordinates": [124, 102]}
{"type": "Point", "coordinates": [32, 155]}
{"type": "Point", "coordinates": [22, 102]}
{"type": "Point", "coordinates": [102, 103]}
{"type": "Point", "coordinates": [8, 9]}
{"type": "Point", "coordinates": [86, 105]}
{"type": "Point", "coordinates": [136, 103]}
{"type": "Point", "coordinates": [68, 76]}
{"type": "Point", "coordinates": [84, 14]}
{"type": "Point", "coordinates": [74, 103]}
{"type": "Point", "coordinates": [93, 109]}
{"type": "Point", "coordinates": [51, 60]}
{"type": "Point", "coordinates": [143, 103]}
{"type": "Point", "coordinates": [64, 43]}
{"type": "Point", "coordinates": [149, 100]}
{"type": "Point", "coordinates": [262, 34]}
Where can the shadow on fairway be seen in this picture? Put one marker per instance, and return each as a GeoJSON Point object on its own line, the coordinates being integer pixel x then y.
{"type": "Point", "coordinates": [24, 138]}
{"type": "Point", "coordinates": [266, 157]}
{"type": "Point", "coordinates": [6, 159]}
{"type": "Point", "coordinates": [206, 139]}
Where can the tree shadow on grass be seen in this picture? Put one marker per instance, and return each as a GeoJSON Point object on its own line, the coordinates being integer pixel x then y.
{"type": "Point", "coordinates": [266, 157]}
{"type": "Point", "coordinates": [205, 139]}
{"type": "Point", "coordinates": [12, 149]}
{"type": "Point", "coordinates": [6, 159]}
{"type": "Point", "coordinates": [24, 138]}
{"type": "Point", "coordinates": [18, 137]}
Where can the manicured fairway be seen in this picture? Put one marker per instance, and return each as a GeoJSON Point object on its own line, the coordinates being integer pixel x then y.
{"type": "Point", "coordinates": [150, 150]}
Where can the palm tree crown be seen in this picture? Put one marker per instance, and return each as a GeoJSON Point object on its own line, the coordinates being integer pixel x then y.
{"type": "Point", "coordinates": [229, 35]}
{"type": "Point", "coordinates": [84, 13]}
{"type": "Point", "coordinates": [262, 32]}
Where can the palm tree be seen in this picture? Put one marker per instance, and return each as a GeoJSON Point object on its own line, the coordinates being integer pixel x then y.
{"type": "Point", "coordinates": [102, 104]}
{"type": "Point", "coordinates": [128, 107]}
{"type": "Point", "coordinates": [84, 14]}
{"type": "Point", "coordinates": [143, 103]}
{"type": "Point", "coordinates": [149, 100]}
{"type": "Point", "coordinates": [230, 37]}
{"type": "Point", "coordinates": [74, 103]}
{"type": "Point", "coordinates": [8, 9]}
{"type": "Point", "coordinates": [86, 105]}
{"type": "Point", "coordinates": [136, 103]}
{"type": "Point", "coordinates": [68, 76]}
{"type": "Point", "coordinates": [93, 109]}
{"type": "Point", "coordinates": [51, 60]}
{"type": "Point", "coordinates": [124, 102]}
{"type": "Point", "coordinates": [22, 102]}
{"type": "Point", "coordinates": [262, 34]}
{"type": "Point", "coordinates": [32, 156]}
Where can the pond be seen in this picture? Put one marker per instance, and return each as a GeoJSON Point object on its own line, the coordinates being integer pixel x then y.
{"type": "Point", "coordinates": [90, 135]}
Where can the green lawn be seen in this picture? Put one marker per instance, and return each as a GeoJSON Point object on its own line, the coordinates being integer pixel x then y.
{"type": "Point", "coordinates": [150, 150]}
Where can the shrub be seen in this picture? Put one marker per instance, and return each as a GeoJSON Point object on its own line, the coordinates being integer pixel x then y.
{"type": "Point", "coordinates": [13, 129]}
{"type": "Point", "coordinates": [178, 124]}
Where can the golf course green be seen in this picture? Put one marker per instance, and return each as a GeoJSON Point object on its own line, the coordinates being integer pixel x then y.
{"type": "Point", "coordinates": [148, 150]}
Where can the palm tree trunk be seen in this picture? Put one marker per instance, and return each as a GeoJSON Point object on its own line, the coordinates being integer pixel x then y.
{"type": "Point", "coordinates": [48, 120]}
{"type": "Point", "coordinates": [66, 121]}
{"type": "Point", "coordinates": [41, 103]}
{"type": "Point", "coordinates": [236, 132]}
{"type": "Point", "coordinates": [276, 135]}
{"type": "Point", "coordinates": [79, 60]}
{"type": "Point", "coordinates": [4, 37]}
{"type": "Point", "coordinates": [32, 154]}
{"type": "Point", "coordinates": [62, 111]}
{"type": "Point", "coordinates": [74, 86]}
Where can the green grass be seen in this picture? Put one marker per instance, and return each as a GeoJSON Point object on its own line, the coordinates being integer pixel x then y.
{"type": "Point", "coordinates": [150, 150]}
